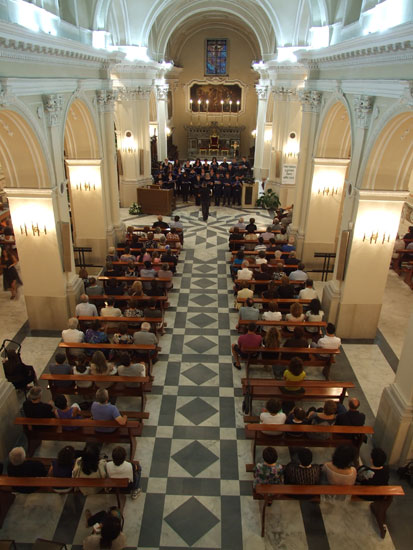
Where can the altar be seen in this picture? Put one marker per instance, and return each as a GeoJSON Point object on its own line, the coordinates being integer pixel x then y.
{"type": "Point", "coordinates": [213, 141]}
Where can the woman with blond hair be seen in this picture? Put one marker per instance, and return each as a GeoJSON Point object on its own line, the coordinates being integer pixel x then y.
{"type": "Point", "coordinates": [99, 366]}
{"type": "Point", "coordinates": [136, 289]}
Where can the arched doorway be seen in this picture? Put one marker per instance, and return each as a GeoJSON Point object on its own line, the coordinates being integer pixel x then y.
{"type": "Point", "coordinates": [330, 167]}
{"type": "Point", "coordinates": [86, 193]}
{"type": "Point", "coordinates": [42, 242]}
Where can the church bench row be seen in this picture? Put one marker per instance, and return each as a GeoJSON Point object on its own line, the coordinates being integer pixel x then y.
{"type": "Point", "coordinates": [256, 252]}
{"type": "Point", "coordinates": [280, 301]}
{"type": "Point", "coordinates": [252, 282]}
{"type": "Point", "coordinates": [257, 231]}
{"type": "Point", "coordinates": [161, 300]}
{"type": "Point", "coordinates": [157, 323]}
{"type": "Point", "coordinates": [51, 429]}
{"type": "Point", "coordinates": [118, 389]}
{"type": "Point", "coordinates": [141, 264]}
{"type": "Point", "coordinates": [139, 250]}
{"type": "Point", "coordinates": [268, 493]}
{"type": "Point", "coordinates": [336, 435]}
{"type": "Point", "coordinates": [315, 390]}
{"type": "Point", "coordinates": [314, 361]}
{"type": "Point", "coordinates": [141, 350]}
{"type": "Point", "coordinates": [47, 484]}
{"type": "Point", "coordinates": [308, 324]}
{"type": "Point", "coordinates": [132, 279]}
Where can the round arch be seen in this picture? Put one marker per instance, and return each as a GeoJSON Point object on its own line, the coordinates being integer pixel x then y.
{"type": "Point", "coordinates": [334, 139]}
{"type": "Point", "coordinates": [390, 158]}
{"type": "Point", "coordinates": [80, 135]}
{"type": "Point", "coordinates": [162, 22]}
{"type": "Point", "coordinates": [21, 154]}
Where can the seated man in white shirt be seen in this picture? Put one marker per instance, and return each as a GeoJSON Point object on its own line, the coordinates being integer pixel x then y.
{"type": "Point", "coordinates": [245, 274]}
{"type": "Point", "coordinates": [119, 467]}
{"type": "Point", "coordinates": [240, 224]}
{"type": "Point", "coordinates": [308, 293]}
{"type": "Point", "coordinates": [268, 234]}
{"type": "Point", "coordinates": [299, 274]}
{"type": "Point", "coordinates": [273, 415]}
{"type": "Point", "coordinates": [84, 308]}
{"type": "Point", "coordinates": [329, 341]}
{"type": "Point", "coordinates": [72, 334]}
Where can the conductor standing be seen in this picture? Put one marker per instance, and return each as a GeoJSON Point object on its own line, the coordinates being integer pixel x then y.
{"type": "Point", "coordinates": [205, 196]}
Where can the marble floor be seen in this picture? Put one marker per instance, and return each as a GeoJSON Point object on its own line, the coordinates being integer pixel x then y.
{"type": "Point", "coordinates": [195, 490]}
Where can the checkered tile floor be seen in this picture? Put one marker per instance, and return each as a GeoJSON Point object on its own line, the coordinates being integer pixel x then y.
{"type": "Point", "coordinates": [195, 491]}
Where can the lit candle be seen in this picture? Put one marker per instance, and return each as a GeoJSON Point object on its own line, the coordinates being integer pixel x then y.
{"type": "Point", "coordinates": [199, 105]}
{"type": "Point", "coordinates": [222, 110]}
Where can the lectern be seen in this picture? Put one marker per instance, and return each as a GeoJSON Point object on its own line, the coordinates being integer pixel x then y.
{"type": "Point", "coordinates": [153, 200]}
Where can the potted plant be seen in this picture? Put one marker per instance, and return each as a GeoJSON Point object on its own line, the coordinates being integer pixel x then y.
{"type": "Point", "coordinates": [135, 209]}
{"type": "Point", "coordinates": [269, 200]}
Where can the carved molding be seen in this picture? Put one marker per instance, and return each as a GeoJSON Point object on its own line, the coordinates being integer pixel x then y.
{"type": "Point", "coordinates": [262, 92]}
{"type": "Point", "coordinates": [162, 92]}
{"type": "Point", "coordinates": [106, 100]}
{"type": "Point", "coordinates": [281, 93]}
{"type": "Point", "coordinates": [53, 108]}
{"type": "Point", "coordinates": [131, 94]}
{"type": "Point", "coordinates": [310, 100]}
{"type": "Point", "coordinates": [363, 108]}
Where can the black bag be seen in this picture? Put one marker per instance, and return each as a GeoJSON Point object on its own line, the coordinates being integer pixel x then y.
{"type": "Point", "coordinates": [247, 403]}
{"type": "Point", "coordinates": [406, 472]}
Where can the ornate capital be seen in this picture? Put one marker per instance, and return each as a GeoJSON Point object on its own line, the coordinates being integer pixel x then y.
{"type": "Point", "coordinates": [262, 91]}
{"type": "Point", "coordinates": [363, 107]}
{"type": "Point", "coordinates": [310, 100]}
{"type": "Point", "coordinates": [162, 92]}
{"type": "Point", "coordinates": [53, 107]}
{"type": "Point", "coordinates": [106, 100]}
{"type": "Point", "coordinates": [284, 94]}
{"type": "Point", "coordinates": [131, 94]}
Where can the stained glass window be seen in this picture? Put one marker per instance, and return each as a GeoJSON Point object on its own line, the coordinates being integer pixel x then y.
{"type": "Point", "coordinates": [216, 57]}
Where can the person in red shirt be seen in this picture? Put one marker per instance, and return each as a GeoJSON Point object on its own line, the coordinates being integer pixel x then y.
{"type": "Point", "coordinates": [248, 340]}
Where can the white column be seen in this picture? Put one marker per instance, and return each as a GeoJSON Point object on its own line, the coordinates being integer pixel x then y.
{"type": "Point", "coordinates": [53, 109]}
{"type": "Point", "coordinates": [36, 222]}
{"type": "Point", "coordinates": [133, 118]}
{"type": "Point", "coordinates": [324, 209]}
{"type": "Point", "coordinates": [393, 429]}
{"type": "Point", "coordinates": [262, 93]}
{"type": "Point", "coordinates": [310, 105]}
{"type": "Point", "coordinates": [162, 109]}
{"type": "Point", "coordinates": [89, 208]}
{"type": "Point", "coordinates": [106, 104]}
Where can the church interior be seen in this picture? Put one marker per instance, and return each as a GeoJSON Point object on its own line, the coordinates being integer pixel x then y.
{"type": "Point", "coordinates": [311, 100]}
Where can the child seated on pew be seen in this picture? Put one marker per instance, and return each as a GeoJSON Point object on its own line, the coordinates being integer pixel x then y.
{"type": "Point", "coordinates": [273, 414]}
{"type": "Point", "coordinates": [268, 471]}
{"type": "Point", "coordinates": [296, 418]}
{"type": "Point", "coordinates": [82, 367]}
{"type": "Point", "coordinates": [65, 411]}
{"type": "Point", "coordinates": [119, 467]}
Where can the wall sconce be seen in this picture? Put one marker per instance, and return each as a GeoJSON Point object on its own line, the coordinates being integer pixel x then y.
{"type": "Point", "coordinates": [327, 191]}
{"type": "Point", "coordinates": [254, 133]}
{"type": "Point", "coordinates": [35, 229]}
{"type": "Point", "coordinates": [86, 186]}
{"type": "Point", "coordinates": [374, 237]}
{"type": "Point", "coordinates": [291, 148]}
{"type": "Point", "coordinates": [128, 143]}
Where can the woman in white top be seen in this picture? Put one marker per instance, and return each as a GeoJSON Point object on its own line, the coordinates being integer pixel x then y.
{"type": "Point", "coordinates": [314, 315]}
{"type": "Point", "coordinates": [273, 414]}
{"type": "Point", "coordinates": [296, 315]}
{"type": "Point", "coordinates": [272, 314]}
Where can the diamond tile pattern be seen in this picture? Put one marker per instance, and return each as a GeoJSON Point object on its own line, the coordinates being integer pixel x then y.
{"type": "Point", "coordinates": [199, 374]}
{"type": "Point", "coordinates": [195, 458]}
{"type": "Point", "coordinates": [205, 268]}
{"type": "Point", "coordinates": [192, 520]}
{"type": "Point", "coordinates": [197, 411]}
{"type": "Point", "coordinates": [202, 320]}
{"type": "Point", "coordinates": [204, 300]}
{"type": "Point", "coordinates": [200, 344]}
{"type": "Point", "coordinates": [204, 283]}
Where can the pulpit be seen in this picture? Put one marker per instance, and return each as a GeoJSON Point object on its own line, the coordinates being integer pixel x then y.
{"type": "Point", "coordinates": [154, 200]}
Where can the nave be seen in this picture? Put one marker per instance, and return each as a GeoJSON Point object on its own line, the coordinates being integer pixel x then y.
{"type": "Point", "coordinates": [195, 491]}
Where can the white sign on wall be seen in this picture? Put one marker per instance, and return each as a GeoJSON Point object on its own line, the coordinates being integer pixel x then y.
{"type": "Point", "coordinates": [288, 175]}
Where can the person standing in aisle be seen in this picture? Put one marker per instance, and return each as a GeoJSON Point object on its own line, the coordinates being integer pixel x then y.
{"type": "Point", "coordinates": [205, 197]}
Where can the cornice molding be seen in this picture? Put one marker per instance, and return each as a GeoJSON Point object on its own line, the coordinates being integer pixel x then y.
{"type": "Point", "coordinates": [393, 46]}
{"type": "Point", "coordinates": [20, 44]}
{"type": "Point", "coordinates": [133, 94]}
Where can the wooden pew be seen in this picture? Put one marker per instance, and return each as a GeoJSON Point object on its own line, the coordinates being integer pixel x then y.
{"type": "Point", "coordinates": [141, 264]}
{"type": "Point", "coordinates": [141, 349]}
{"type": "Point", "coordinates": [304, 324]}
{"type": "Point", "coordinates": [314, 361]}
{"type": "Point", "coordinates": [162, 300]}
{"type": "Point", "coordinates": [50, 429]}
{"type": "Point", "coordinates": [337, 436]}
{"type": "Point", "coordinates": [280, 301]}
{"type": "Point", "coordinates": [46, 485]}
{"type": "Point", "coordinates": [255, 252]}
{"type": "Point", "coordinates": [257, 231]}
{"type": "Point", "coordinates": [118, 389]}
{"type": "Point", "coordinates": [266, 282]}
{"type": "Point", "coordinates": [315, 390]}
{"type": "Point", "coordinates": [379, 507]}
{"type": "Point", "coordinates": [175, 251]}
{"type": "Point", "coordinates": [157, 323]}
